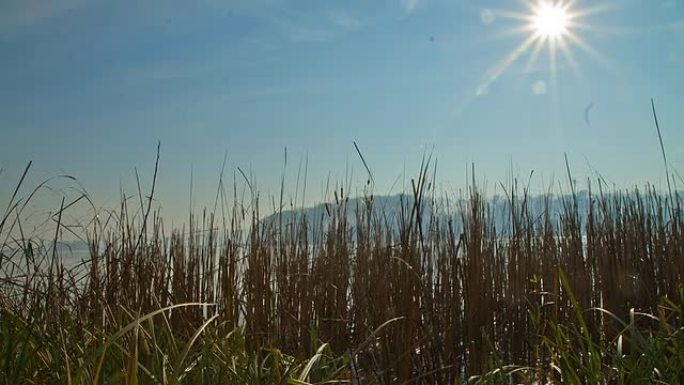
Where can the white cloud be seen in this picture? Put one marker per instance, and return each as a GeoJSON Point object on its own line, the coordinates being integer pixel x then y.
{"type": "Point", "coordinates": [539, 87]}
{"type": "Point", "coordinates": [345, 20]}
{"type": "Point", "coordinates": [409, 6]}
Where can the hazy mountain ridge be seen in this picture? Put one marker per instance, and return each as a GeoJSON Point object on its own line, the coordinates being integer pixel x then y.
{"type": "Point", "coordinates": [389, 208]}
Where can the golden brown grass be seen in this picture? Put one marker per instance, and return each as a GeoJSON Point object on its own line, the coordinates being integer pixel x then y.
{"type": "Point", "coordinates": [427, 295]}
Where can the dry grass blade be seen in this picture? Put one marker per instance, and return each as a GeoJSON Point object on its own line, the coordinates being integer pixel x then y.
{"type": "Point", "coordinates": [413, 290]}
{"type": "Point", "coordinates": [14, 196]}
{"type": "Point", "coordinates": [186, 350]}
{"type": "Point", "coordinates": [304, 374]}
{"type": "Point", "coordinates": [662, 148]}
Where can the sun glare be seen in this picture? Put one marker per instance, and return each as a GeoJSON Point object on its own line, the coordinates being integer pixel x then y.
{"type": "Point", "coordinates": [553, 26]}
{"type": "Point", "coordinates": [550, 20]}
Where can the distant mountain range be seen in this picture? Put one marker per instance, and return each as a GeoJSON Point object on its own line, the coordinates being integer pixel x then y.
{"type": "Point", "coordinates": [389, 208]}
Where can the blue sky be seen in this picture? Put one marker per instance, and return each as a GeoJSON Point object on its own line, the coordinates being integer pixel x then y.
{"type": "Point", "coordinates": [89, 87]}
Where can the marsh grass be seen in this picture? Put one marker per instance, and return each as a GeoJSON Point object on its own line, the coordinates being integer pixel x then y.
{"type": "Point", "coordinates": [433, 294]}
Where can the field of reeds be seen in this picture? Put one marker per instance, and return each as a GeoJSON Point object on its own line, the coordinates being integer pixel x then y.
{"type": "Point", "coordinates": [436, 291]}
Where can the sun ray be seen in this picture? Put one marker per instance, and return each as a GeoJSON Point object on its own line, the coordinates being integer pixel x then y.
{"type": "Point", "coordinates": [534, 55]}
{"type": "Point", "coordinates": [517, 31]}
{"type": "Point", "coordinates": [569, 57]}
{"type": "Point", "coordinates": [585, 27]}
{"type": "Point", "coordinates": [583, 12]}
{"type": "Point", "coordinates": [513, 15]}
{"type": "Point", "coordinates": [596, 55]}
{"type": "Point", "coordinates": [570, 4]}
{"type": "Point", "coordinates": [552, 58]}
{"type": "Point", "coordinates": [496, 71]}
{"type": "Point", "coordinates": [551, 25]}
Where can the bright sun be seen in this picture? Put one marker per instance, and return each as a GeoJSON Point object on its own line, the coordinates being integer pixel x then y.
{"type": "Point", "coordinates": [550, 25]}
{"type": "Point", "coordinates": [550, 20]}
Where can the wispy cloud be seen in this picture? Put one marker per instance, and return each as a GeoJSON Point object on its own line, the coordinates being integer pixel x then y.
{"type": "Point", "coordinates": [170, 70]}
{"type": "Point", "coordinates": [18, 14]}
{"type": "Point", "coordinates": [297, 30]}
{"type": "Point", "coordinates": [345, 20]}
{"type": "Point", "coordinates": [278, 26]}
{"type": "Point", "coordinates": [312, 25]}
{"type": "Point", "coordinates": [409, 6]}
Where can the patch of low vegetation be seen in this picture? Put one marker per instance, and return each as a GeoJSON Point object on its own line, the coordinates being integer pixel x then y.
{"type": "Point", "coordinates": [427, 294]}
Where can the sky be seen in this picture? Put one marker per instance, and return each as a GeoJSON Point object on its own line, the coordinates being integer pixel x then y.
{"type": "Point", "coordinates": [88, 89]}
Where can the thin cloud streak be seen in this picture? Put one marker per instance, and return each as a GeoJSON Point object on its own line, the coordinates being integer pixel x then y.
{"type": "Point", "coordinates": [410, 6]}
{"type": "Point", "coordinates": [16, 15]}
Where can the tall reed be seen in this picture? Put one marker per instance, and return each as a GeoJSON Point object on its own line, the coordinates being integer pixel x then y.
{"type": "Point", "coordinates": [435, 291]}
